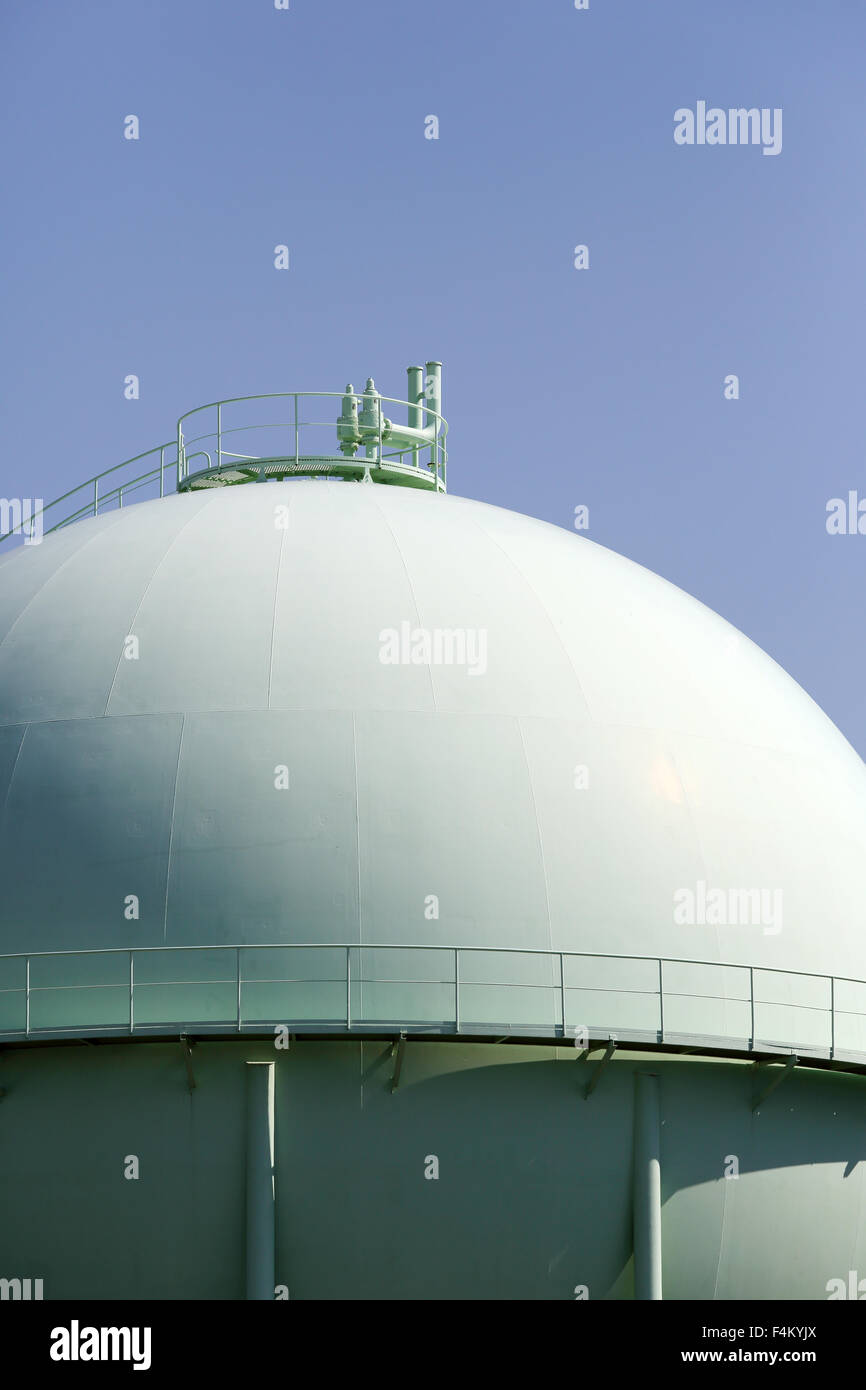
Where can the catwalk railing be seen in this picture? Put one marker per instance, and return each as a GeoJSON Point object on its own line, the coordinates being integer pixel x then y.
{"type": "Point", "coordinates": [434, 990]}
{"type": "Point", "coordinates": [286, 434]}
{"type": "Point", "coordinates": [151, 474]}
{"type": "Point", "coordinates": [300, 433]}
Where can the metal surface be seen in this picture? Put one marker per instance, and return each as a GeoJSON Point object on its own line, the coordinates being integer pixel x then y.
{"type": "Point", "coordinates": [433, 867]}
{"type": "Point", "coordinates": [261, 646]}
{"type": "Point", "coordinates": [355, 1217]}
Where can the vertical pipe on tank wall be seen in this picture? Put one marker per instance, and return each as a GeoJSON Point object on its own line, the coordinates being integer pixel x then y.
{"type": "Point", "coordinates": [433, 395]}
{"type": "Point", "coordinates": [433, 390]}
{"type": "Point", "coordinates": [416, 397]}
{"type": "Point", "coordinates": [647, 1189]}
{"type": "Point", "coordinates": [260, 1272]}
{"type": "Point", "coordinates": [416, 403]}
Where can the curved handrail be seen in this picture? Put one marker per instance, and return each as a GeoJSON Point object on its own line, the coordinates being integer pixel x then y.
{"type": "Point", "coordinates": [174, 456]}
{"type": "Point", "coordinates": [97, 496]}
{"type": "Point", "coordinates": [378, 456]}
{"type": "Point", "coordinates": [478, 991]}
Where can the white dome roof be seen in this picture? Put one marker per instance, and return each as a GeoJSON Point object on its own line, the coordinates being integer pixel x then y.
{"type": "Point", "coordinates": [260, 645]}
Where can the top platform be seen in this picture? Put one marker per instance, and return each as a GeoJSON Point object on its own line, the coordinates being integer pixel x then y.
{"type": "Point", "coordinates": [339, 434]}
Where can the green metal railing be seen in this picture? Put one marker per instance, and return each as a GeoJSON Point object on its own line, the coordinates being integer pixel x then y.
{"type": "Point", "coordinates": [229, 452]}
{"type": "Point", "coordinates": [300, 444]}
{"type": "Point", "coordinates": [105, 491]}
{"type": "Point", "coordinates": [434, 991]}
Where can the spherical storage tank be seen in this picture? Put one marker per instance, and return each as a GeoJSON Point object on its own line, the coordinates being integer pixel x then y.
{"type": "Point", "coordinates": [405, 898]}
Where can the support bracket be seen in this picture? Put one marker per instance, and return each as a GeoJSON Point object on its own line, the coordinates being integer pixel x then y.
{"type": "Point", "coordinates": [398, 1050]}
{"type": "Point", "coordinates": [780, 1074]}
{"type": "Point", "coordinates": [599, 1068]}
{"type": "Point", "coordinates": [187, 1057]}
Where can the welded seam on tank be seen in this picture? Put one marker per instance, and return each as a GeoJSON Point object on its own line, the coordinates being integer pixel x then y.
{"type": "Point", "coordinates": [391, 533]}
{"type": "Point", "coordinates": [49, 577]}
{"type": "Point", "coordinates": [274, 613]}
{"type": "Point", "coordinates": [171, 829]}
{"type": "Point", "coordinates": [722, 1238]}
{"type": "Point", "coordinates": [357, 822]}
{"type": "Point", "coordinates": [12, 772]}
{"type": "Point", "coordinates": [473, 521]}
{"type": "Point", "coordinates": [540, 839]}
{"type": "Point", "coordinates": [212, 496]}
{"type": "Point", "coordinates": [361, 1064]}
{"type": "Point", "coordinates": [702, 858]}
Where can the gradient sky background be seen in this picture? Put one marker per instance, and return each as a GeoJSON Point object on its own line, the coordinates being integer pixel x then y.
{"type": "Point", "coordinates": [602, 387]}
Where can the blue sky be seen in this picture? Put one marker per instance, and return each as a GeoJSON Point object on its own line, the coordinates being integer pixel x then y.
{"type": "Point", "coordinates": [601, 387]}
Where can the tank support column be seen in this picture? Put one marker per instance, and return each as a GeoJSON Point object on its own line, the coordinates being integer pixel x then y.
{"type": "Point", "coordinates": [260, 1181]}
{"type": "Point", "coordinates": [647, 1189]}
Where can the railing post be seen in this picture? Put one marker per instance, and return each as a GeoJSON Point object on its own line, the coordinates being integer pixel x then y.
{"type": "Point", "coordinates": [162, 471]}
{"type": "Point", "coordinates": [96, 497]}
{"type": "Point", "coordinates": [562, 991]}
{"type": "Point", "coordinates": [296, 428]}
{"type": "Point", "coordinates": [348, 988]}
{"type": "Point", "coordinates": [219, 434]}
{"type": "Point", "coordinates": [131, 993]}
{"type": "Point", "coordinates": [457, 989]}
{"type": "Point", "coordinates": [752, 1006]}
{"type": "Point", "coordinates": [661, 1001]}
{"type": "Point", "coordinates": [238, 972]}
{"type": "Point", "coordinates": [27, 996]}
{"type": "Point", "coordinates": [832, 1016]}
